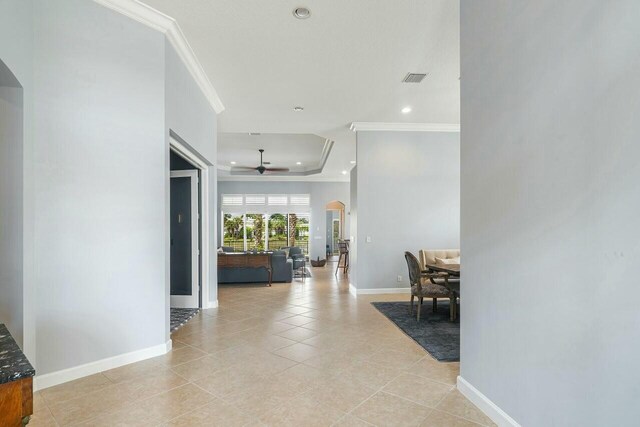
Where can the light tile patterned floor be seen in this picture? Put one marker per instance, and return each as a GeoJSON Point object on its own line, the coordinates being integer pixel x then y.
{"type": "Point", "coordinates": [299, 354]}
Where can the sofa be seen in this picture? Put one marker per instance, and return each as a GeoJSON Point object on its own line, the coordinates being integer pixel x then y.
{"type": "Point", "coordinates": [428, 256]}
{"type": "Point", "coordinates": [296, 255]}
{"type": "Point", "coordinates": [282, 271]}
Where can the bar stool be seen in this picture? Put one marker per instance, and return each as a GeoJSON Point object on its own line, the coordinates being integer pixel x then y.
{"type": "Point", "coordinates": [343, 247]}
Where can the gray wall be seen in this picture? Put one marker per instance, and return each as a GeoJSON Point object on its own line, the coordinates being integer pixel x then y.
{"type": "Point", "coordinates": [101, 166]}
{"type": "Point", "coordinates": [17, 302]}
{"type": "Point", "coordinates": [101, 93]}
{"type": "Point", "coordinates": [408, 196]}
{"type": "Point", "coordinates": [189, 115]}
{"type": "Point", "coordinates": [321, 194]}
{"type": "Point", "coordinates": [550, 202]}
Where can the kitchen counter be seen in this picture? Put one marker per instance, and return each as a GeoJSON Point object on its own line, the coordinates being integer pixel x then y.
{"type": "Point", "coordinates": [13, 363]}
{"type": "Point", "coordinates": [16, 382]}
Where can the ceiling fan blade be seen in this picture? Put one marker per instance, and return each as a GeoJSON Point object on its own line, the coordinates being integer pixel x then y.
{"type": "Point", "coordinates": [277, 169]}
{"type": "Point", "coordinates": [242, 168]}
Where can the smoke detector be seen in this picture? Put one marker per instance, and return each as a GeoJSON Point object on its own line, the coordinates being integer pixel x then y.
{"type": "Point", "coordinates": [301, 12]}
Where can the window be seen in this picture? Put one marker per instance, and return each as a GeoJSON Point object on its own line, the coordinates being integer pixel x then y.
{"type": "Point", "coordinates": [266, 221]}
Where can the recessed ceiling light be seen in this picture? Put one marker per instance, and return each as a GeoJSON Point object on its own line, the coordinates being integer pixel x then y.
{"type": "Point", "coordinates": [353, 162]}
{"type": "Point", "coordinates": [301, 12]}
{"type": "Point", "coordinates": [344, 172]}
{"type": "Point", "coordinates": [298, 163]}
{"type": "Point", "coordinates": [233, 163]}
{"type": "Point", "coordinates": [406, 110]}
{"type": "Point", "coordinates": [298, 108]}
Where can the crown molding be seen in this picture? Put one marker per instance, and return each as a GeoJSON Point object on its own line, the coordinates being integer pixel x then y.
{"type": "Point", "coordinates": [157, 20]}
{"type": "Point", "coordinates": [405, 127]}
{"type": "Point", "coordinates": [326, 151]}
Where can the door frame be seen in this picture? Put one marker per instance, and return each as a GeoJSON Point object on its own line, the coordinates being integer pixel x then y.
{"type": "Point", "coordinates": [194, 158]}
{"type": "Point", "coordinates": [185, 301]}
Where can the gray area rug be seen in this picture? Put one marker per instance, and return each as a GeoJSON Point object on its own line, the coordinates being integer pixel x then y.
{"type": "Point", "coordinates": [435, 333]}
{"type": "Point", "coordinates": [180, 316]}
{"type": "Point", "coordinates": [298, 273]}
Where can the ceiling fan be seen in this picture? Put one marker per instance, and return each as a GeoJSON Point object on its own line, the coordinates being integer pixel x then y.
{"type": "Point", "coordinates": [262, 168]}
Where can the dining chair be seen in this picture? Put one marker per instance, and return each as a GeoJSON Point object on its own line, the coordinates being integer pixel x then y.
{"type": "Point", "coordinates": [421, 286]}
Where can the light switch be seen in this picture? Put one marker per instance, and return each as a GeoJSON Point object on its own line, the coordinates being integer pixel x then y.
{"type": "Point", "coordinates": [368, 239]}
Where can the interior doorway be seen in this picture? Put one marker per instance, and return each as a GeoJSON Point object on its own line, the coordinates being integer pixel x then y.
{"type": "Point", "coordinates": [185, 242]}
{"type": "Point", "coordinates": [13, 301]}
{"type": "Point", "coordinates": [188, 240]}
{"type": "Point", "coordinates": [334, 228]}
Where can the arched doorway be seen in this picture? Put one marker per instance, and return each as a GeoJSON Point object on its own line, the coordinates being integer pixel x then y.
{"type": "Point", "coordinates": [11, 203]}
{"type": "Point", "coordinates": [334, 228]}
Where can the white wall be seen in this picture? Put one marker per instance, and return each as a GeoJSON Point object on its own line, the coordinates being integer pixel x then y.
{"type": "Point", "coordinates": [408, 198]}
{"type": "Point", "coordinates": [321, 194]}
{"type": "Point", "coordinates": [16, 204]}
{"type": "Point", "coordinates": [550, 225]}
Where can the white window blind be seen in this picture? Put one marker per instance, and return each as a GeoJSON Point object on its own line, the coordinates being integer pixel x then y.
{"type": "Point", "coordinates": [266, 203]}
{"type": "Point", "coordinates": [277, 200]}
{"type": "Point", "coordinates": [299, 200]}
{"type": "Point", "coordinates": [232, 200]}
{"type": "Point", "coordinates": [255, 199]}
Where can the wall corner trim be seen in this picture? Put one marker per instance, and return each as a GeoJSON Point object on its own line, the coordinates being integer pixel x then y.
{"type": "Point", "coordinates": [212, 304]}
{"type": "Point", "coordinates": [65, 375]}
{"type": "Point", "coordinates": [490, 409]}
{"type": "Point", "coordinates": [157, 20]}
{"type": "Point", "coordinates": [353, 290]}
{"type": "Point", "coordinates": [404, 127]}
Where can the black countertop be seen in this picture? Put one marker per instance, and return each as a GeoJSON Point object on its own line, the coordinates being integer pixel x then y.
{"type": "Point", "coordinates": [13, 363]}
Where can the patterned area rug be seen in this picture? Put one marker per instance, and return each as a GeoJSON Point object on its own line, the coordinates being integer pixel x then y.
{"type": "Point", "coordinates": [180, 316]}
{"type": "Point", "coordinates": [435, 333]}
{"type": "Point", "coordinates": [298, 273]}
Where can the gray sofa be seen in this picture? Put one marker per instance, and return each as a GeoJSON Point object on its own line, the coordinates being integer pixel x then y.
{"type": "Point", "coordinates": [296, 255]}
{"type": "Point", "coordinates": [281, 267]}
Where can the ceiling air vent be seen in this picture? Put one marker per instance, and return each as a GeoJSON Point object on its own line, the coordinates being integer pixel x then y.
{"type": "Point", "coordinates": [414, 77]}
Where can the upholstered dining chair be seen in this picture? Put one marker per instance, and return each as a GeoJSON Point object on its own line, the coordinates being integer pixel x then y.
{"type": "Point", "coordinates": [421, 285]}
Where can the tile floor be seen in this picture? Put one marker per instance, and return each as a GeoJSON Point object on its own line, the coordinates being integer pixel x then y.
{"type": "Point", "coordinates": [299, 354]}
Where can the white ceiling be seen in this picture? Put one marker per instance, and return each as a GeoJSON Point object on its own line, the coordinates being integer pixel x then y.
{"type": "Point", "coordinates": [282, 150]}
{"type": "Point", "coordinates": [343, 64]}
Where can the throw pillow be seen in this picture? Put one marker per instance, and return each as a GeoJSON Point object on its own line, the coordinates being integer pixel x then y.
{"type": "Point", "coordinates": [448, 261]}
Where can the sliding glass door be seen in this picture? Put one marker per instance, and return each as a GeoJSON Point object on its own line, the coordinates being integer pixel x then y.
{"type": "Point", "coordinates": [255, 225]}
{"type": "Point", "coordinates": [233, 231]}
{"type": "Point", "coordinates": [277, 235]}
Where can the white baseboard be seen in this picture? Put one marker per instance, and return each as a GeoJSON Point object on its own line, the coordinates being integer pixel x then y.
{"type": "Point", "coordinates": [211, 304]}
{"type": "Point", "coordinates": [490, 409]}
{"type": "Point", "coordinates": [41, 382]}
{"type": "Point", "coordinates": [376, 291]}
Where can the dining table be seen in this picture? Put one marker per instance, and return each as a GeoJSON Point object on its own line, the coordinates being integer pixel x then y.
{"type": "Point", "coordinates": [452, 271]}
